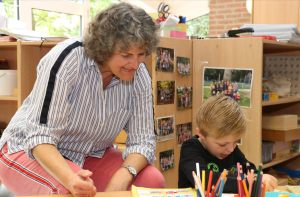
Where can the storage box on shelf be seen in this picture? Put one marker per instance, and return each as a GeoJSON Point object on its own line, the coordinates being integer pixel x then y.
{"type": "Point", "coordinates": [248, 53]}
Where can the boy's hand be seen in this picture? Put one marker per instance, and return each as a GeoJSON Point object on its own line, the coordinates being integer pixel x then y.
{"type": "Point", "coordinates": [271, 182]}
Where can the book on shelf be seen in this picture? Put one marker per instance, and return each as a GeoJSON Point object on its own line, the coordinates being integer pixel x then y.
{"type": "Point", "coordinates": [7, 39]}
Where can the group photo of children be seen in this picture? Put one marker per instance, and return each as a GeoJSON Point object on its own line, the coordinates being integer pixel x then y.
{"type": "Point", "coordinates": [166, 159]}
{"type": "Point", "coordinates": [183, 65]}
{"type": "Point", "coordinates": [165, 60]}
{"type": "Point", "coordinates": [184, 132]}
{"type": "Point", "coordinates": [165, 128]}
{"type": "Point", "coordinates": [235, 83]}
{"type": "Point", "coordinates": [184, 98]}
{"type": "Point", "coordinates": [165, 92]}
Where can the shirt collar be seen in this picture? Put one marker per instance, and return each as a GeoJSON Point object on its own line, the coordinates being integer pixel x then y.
{"type": "Point", "coordinates": [115, 80]}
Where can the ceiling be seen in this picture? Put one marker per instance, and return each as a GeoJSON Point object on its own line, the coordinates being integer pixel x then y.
{"type": "Point", "coordinates": [189, 8]}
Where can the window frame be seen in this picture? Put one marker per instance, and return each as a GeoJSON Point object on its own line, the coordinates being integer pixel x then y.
{"type": "Point", "coordinates": [68, 7]}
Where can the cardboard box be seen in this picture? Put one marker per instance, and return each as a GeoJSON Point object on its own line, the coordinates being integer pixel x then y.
{"type": "Point", "coordinates": [273, 96]}
{"type": "Point", "coordinates": [183, 26]}
{"type": "Point", "coordinates": [280, 122]}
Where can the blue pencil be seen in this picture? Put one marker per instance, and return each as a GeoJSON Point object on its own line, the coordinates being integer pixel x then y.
{"type": "Point", "coordinates": [221, 188]}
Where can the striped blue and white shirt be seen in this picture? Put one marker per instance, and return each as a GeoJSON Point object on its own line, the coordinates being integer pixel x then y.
{"type": "Point", "coordinates": [69, 109]}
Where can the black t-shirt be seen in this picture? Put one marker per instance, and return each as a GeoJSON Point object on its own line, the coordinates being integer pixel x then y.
{"type": "Point", "coordinates": [193, 152]}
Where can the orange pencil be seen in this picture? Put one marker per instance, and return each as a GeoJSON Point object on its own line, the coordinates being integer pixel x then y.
{"type": "Point", "coordinates": [264, 190]}
{"type": "Point", "coordinates": [209, 183]}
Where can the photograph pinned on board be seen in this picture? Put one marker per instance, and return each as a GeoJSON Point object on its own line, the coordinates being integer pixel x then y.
{"type": "Point", "coordinates": [165, 60]}
{"type": "Point", "coordinates": [165, 92]}
{"type": "Point", "coordinates": [166, 159]}
{"type": "Point", "coordinates": [165, 128]}
{"type": "Point", "coordinates": [239, 142]}
{"type": "Point", "coordinates": [184, 98]}
{"type": "Point", "coordinates": [233, 82]}
{"type": "Point", "coordinates": [183, 65]}
{"type": "Point", "coordinates": [184, 132]}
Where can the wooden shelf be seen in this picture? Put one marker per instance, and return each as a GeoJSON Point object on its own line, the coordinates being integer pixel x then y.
{"type": "Point", "coordinates": [271, 46]}
{"type": "Point", "coordinates": [8, 98]}
{"type": "Point", "coordinates": [10, 44]}
{"type": "Point", "coordinates": [280, 160]}
{"type": "Point", "coordinates": [281, 101]}
{"type": "Point", "coordinates": [38, 43]}
{"type": "Point", "coordinates": [285, 136]}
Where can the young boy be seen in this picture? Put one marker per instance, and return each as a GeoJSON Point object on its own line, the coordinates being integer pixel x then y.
{"type": "Point", "coordinates": [220, 124]}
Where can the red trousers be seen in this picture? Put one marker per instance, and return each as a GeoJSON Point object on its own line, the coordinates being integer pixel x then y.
{"type": "Point", "coordinates": [24, 176]}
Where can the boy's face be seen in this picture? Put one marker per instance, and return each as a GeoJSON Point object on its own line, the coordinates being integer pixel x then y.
{"type": "Point", "coordinates": [220, 148]}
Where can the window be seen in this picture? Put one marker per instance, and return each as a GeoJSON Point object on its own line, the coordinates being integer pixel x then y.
{"type": "Point", "coordinates": [11, 8]}
{"type": "Point", "coordinates": [56, 24]}
{"type": "Point", "coordinates": [60, 17]}
{"type": "Point", "coordinates": [198, 26]}
{"type": "Point", "coordinates": [97, 5]}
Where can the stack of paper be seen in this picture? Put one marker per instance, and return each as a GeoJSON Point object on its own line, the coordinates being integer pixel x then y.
{"type": "Point", "coordinates": [283, 33]}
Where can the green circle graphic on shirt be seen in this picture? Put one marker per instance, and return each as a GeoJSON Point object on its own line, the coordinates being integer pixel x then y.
{"type": "Point", "coordinates": [213, 167]}
{"type": "Point", "coordinates": [233, 170]}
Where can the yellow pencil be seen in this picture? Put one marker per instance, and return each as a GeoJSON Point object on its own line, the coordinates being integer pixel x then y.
{"type": "Point", "coordinates": [203, 180]}
{"type": "Point", "coordinates": [245, 188]}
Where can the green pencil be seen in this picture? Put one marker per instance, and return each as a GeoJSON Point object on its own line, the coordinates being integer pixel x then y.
{"type": "Point", "coordinates": [257, 182]}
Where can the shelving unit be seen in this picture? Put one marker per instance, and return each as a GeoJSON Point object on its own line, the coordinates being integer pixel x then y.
{"type": "Point", "coordinates": [23, 57]}
{"type": "Point", "coordinates": [248, 53]}
{"type": "Point", "coordinates": [280, 159]}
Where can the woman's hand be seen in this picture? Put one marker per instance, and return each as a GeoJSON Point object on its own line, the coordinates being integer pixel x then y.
{"type": "Point", "coordinates": [81, 185]}
{"type": "Point", "coordinates": [120, 181]}
{"type": "Point", "coordinates": [271, 182]}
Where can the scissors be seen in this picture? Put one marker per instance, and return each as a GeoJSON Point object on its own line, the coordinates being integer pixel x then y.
{"type": "Point", "coordinates": [163, 10]}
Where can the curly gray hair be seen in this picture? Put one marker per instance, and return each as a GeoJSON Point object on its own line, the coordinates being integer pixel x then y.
{"type": "Point", "coordinates": [120, 27]}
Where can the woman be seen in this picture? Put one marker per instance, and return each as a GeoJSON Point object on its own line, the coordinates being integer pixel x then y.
{"type": "Point", "coordinates": [87, 90]}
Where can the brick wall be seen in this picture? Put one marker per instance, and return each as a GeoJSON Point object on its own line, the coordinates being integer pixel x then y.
{"type": "Point", "coordinates": [227, 14]}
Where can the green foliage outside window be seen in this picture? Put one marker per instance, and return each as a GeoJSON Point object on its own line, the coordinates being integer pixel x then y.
{"type": "Point", "coordinates": [56, 24]}
{"type": "Point", "coordinates": [198, 26]}
{"type": "Point", "coordinates": [9, 8]}
{"type": "Point", "coordinates": [97, 5]}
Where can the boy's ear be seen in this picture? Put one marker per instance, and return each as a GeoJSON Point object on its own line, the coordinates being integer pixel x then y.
{"type": "Point", "coordinates": [201, 136]}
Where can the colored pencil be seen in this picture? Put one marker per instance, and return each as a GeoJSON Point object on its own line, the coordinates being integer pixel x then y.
{"type": "Point", "coordinates": [209, 183]}
{"type": "Point", "coordinates": [257, 181]}
{"type": "Point", "coordinates": [264, 190]}
{"type": "Point", "coordinates": [259, 184]}
{"type": "Point", "coordinates": [253, 187]}
{"type": "Point", "coordinates": [203, 180]}
{"type": "Point", "coordinates": [198, 182]}
{"type": "Point", "coordinates": [198, 192]}
{"type": "Point", "coordinates": [212, 191]}
{"type": "Point", "coordinates": [248, 168]}
{"type": "Point", "coordinates": [218, 183]}
{"type": "Point", "coordinates": [245, 188]}
{"type": "Point", "coordinates": [238, 169]}
{"type": "Point", "coordinates": [242, 174]}
{"type": "Point", "coordinates": [198, 169]}
{"type": "Point", "coordinates": [221, 187]}
{"type": "Point", "coordinates": [250, 180]}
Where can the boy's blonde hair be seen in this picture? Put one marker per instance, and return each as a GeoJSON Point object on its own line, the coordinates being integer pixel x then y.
{"type": "Point", "coordinates": [221, 116]}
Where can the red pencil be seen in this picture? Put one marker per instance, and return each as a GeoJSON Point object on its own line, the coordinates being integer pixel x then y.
{"type": "Point", "coordinates": [209, 183]}
{"type": "Point", "coordinates": [213, 191]}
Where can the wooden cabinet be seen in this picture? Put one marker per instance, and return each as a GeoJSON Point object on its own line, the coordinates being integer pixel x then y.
{"type": "Point", "coordinates": [23, 57]}
{"type": "Point", "coordinates": [248, 53]}
{"type": "Point", "coordinates": [275, 12]}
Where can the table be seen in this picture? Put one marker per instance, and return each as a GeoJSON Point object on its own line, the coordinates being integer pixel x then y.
{"type": "Point", "coordinates": [118, 194]}
{"type": "Point", "coordinates": [99, 194]}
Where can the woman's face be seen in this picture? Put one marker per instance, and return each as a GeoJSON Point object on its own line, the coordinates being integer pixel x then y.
{"type": "Point", "coordinates": [124, 64]}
